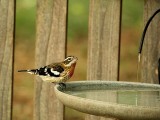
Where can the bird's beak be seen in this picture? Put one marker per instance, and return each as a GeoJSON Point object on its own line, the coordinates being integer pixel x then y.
{"type": "Point", "coordinates": [76, 58]}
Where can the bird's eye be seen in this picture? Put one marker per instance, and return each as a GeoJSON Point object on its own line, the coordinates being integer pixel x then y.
{"type": "Point", "coordinates": [69, 59]}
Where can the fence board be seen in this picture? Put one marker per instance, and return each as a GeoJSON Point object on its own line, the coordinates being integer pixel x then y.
{"type": "Point", "coordinates": [50, 47]}
{"type": "Point", "coordinates": [6, 57]}
{"type": "Point", "coordinates": [103, 45]}
{"type": "Point", "coordinates": [151, 51]}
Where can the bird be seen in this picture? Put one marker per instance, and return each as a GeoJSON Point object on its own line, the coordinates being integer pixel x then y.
{"type": "Point", "coordinates": [58, 72]}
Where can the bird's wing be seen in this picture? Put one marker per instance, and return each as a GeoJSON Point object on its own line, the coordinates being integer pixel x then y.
{"type": "Point", "coordinates": [53, 70]}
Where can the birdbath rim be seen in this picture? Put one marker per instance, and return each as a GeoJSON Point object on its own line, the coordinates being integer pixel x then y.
{"type": "Point", "coordinates": [107, 109]}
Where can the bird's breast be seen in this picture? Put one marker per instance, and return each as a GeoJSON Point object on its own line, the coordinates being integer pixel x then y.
{"type": "Point", "coordinates": [72, 70]}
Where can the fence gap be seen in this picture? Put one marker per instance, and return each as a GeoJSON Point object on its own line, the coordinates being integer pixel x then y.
{"type": "Point", "coordinates": [24, 59]}
{"type": "Point", "coordinates": [78, 11]}
{"type": "Point", "coordinates": [131, 30]}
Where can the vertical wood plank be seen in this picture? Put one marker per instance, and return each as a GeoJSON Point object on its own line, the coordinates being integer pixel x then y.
{"type": "Point", "coordinates": [103, 44]}
{"type": "Point", "coordinates": [6, 57]}
{"type": "Point", "coordinates": [50, 47]}
{"type": "Point", "coordinates": [151, 47]}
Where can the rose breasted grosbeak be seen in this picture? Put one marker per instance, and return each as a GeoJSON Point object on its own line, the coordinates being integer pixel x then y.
{"type": "Point", "coordinates": [56, 72]}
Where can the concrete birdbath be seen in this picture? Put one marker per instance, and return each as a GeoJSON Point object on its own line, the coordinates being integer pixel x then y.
{"type": "Point", "coordinates": [122, 100]}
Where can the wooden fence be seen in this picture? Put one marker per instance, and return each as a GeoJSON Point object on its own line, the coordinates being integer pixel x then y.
{"type": "Point", "coordinates": [51, 29]}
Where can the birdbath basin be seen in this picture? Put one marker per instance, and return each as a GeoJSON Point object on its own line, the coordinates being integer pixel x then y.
{"type": "Point", "coordinates": [122, 100]}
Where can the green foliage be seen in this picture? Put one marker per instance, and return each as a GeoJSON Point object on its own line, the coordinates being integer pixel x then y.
{"type": "Point", "coordinates": [25, 19]}
{"type": "Point", "coordinates": [132, 13]}
{"type": "Point", "coordinates": [78, 11]}
{"type": "Point", "coordinates": [78, 18]}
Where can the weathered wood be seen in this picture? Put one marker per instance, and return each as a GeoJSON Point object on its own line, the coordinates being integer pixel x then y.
{"type": "Point", "coordinates": [6, 57]}
{"type": "Point", "coordinates": [103, 44]}
{"type": "Point", "coordinates": [50, 47]}
{"type": "Point", "coordinates": [151, 47]}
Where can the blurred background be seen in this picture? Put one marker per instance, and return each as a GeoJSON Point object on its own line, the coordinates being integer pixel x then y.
{"type": "Point", "coordinates": [131, 30]}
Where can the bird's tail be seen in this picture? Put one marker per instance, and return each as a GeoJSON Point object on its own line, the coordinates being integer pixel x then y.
{"type": "Point", "coordinates": [32, 71]}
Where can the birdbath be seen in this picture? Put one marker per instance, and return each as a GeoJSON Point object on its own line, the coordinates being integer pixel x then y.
{"type": "Point", "coordinates": [122, 100]}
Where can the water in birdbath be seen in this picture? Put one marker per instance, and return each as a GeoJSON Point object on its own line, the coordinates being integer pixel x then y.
{"type": "Point", "coordinates": [146, 98]}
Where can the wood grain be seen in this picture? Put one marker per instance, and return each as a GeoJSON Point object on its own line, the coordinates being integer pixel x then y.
{"type": "Point", "coordinates": [151, 51]}
{"type": "Point", "coordinates": [50, 47]}
{"type": "Point", "coordinates": [6, 57]}
{"type": "Point", "coordinates": [104, 42]}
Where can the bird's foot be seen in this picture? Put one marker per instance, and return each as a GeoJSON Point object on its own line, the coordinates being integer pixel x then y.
{"type": "Point", "coordinates": [62, 85]}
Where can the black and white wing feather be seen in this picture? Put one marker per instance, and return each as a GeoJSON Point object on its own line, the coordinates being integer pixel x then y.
{"type": "Point", "coordinates": [53, 70]}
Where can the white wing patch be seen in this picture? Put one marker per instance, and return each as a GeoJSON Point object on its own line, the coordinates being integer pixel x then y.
{"type": "Point", "coordinates": [55, 72]}
{"type": "Point", "coordinates": [45, 70]}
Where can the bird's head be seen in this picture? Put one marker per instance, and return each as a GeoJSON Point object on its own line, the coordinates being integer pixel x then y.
{"type": "Point", "coordinates": [70, 60]}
